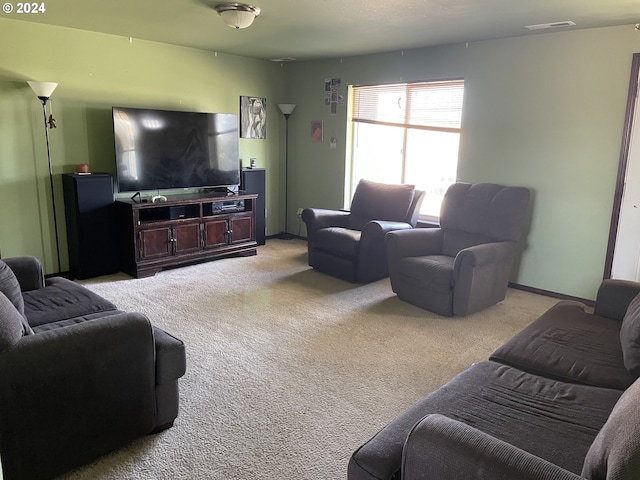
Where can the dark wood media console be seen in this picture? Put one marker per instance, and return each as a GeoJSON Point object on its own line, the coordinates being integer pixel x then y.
{"type": "Point", "coordinates": [184, 229]}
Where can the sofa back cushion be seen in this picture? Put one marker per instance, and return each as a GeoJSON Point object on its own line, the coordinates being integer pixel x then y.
{"type": "Point", "coordinates": [11, 323]}
{"type": "Point", "coordinates": [10, 287]}
{"type": "Point", "coordinates": [615, 452]}
{"type": "Point", "coordinates": [630, 337]}
{"type": "Point", "coordinates": [380, 201]}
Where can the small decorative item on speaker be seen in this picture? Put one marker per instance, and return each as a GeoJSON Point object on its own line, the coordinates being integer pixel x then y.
{"type": "Point", "coordinates": [82, 168]}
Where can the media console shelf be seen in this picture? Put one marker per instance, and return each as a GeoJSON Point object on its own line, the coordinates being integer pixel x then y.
{"type": "Point", "coordinates": [184, 229]}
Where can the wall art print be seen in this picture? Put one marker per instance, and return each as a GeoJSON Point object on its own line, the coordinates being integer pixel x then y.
{"type": "Point", "coordinates": [253, 117]}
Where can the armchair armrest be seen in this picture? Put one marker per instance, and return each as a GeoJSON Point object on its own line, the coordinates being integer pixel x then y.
{"type": "Point", "coordinates": [317, 218]}
{"type": "Point", "coordinates": [440, 447]}
{"type": "Point", "coordinates": [614, 297]}
{"type": "Point", "coordinates": [92, 384]}
{"type": "Point", "coordinates": [484, 254]}
{"type": "Point", "coordinates": [414, 243]}
{"type": "Point", "coordinates": [28, 271]}
{"type": "Point", "coordinates": [379, 228]}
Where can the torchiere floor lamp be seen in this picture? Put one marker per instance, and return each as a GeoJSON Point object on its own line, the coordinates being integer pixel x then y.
{"type": "Point", "coordinates": [44, 90]}
{"type": "Point", "coordinates": [286, 109]}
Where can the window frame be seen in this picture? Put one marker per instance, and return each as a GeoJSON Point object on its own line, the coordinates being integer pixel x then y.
{"type": "Point", "coordinates": [353, 120]}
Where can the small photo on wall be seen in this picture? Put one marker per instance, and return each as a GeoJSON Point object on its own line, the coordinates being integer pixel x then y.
{"type": "Point", "coordinates": [316, 130]}
{"type": "Point", "coordinates": [253, 117]}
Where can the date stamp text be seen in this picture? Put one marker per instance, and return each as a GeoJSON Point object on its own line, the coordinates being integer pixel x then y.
{"type": "Point", "coordinates": [27, 8]}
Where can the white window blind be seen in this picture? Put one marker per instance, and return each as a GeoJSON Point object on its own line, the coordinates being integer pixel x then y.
{"type": "Point", "coordinates": [428, 105]}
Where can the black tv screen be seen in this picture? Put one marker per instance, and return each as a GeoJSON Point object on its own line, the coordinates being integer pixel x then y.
{"type": "Point", "coordinates": [161, 149]}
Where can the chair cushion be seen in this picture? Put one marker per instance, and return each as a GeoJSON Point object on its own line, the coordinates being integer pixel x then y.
{"type": "Point", "coordinates": [62, 299]}
{"type": "Point", "coordinates": [342, 242]}
{"type": "Point", "coordinates": [380, 201]}
{"type": "Point", "coordinates": [569, 343]}
{"type": "Point", "coordinates": [630, 337]}
{"type": "Point", "coordinates": [492, 211]}
{"type": "Point", "coordinates": [10, 287]}
{"type": "Point", "coordinates": [615, 452]}
{"type": "Point", "coordinates": [171, 358]}
{"type": "Point", "coordinates": [433, 272]}
{"type": "Point", "coordinates": [11, 329]}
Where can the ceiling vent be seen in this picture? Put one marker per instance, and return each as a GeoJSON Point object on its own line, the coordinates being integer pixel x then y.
{"type": "Point", "coordinates": [542, 26]}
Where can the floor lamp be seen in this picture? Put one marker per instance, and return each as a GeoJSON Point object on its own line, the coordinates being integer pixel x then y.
{"type": "Point", "coordinates": [44, 90]}
{"type": "Point", "coordinates": [286, 109]}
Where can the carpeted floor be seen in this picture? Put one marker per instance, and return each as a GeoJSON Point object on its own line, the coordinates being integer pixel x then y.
{"type": "Point", "coordinates": [289, 370]}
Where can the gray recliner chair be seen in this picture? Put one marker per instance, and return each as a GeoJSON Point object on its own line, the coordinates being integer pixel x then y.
{"type": "Point", "coordinates": [464, 265]}
{"type": "Point", "coordinates": [350, 244]}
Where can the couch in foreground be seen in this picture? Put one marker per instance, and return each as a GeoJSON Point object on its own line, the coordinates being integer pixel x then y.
{"type": "Point", "coordinates": [558, 401]}
{"type": "Point", "coordinates": [78, 378]}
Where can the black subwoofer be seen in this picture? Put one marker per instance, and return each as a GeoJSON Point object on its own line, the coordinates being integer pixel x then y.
{"type": "Point", "coordinates": [90, 219]}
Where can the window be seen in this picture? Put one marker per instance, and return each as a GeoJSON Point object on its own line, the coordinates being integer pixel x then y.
{"type": "Point", "coordinates": [407, 133]}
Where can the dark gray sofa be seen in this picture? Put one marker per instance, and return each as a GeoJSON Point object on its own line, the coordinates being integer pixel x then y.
{"type": "Point", "coordinates": [78, 377]}
{"type": "Point", "coordinates": [557, 401]}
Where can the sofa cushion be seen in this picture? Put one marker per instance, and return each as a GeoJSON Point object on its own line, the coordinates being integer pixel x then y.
{"type": "Point", "coordinates": [533, 413]}
{"type": "Point", "coordinates": [62, 299]}
{"type": "Point", "coordinates": [10, 287]}
{"type": "Point", "coordinates": [380, 201]}
{"type": "Point", "coordinates": [615, 453]}
{"type": "Point", "coordinates": [11, 329]}
{"type": "Point", "coordinates": [569, 343]}
{"type": "Point", "coordinates": [630, 337]}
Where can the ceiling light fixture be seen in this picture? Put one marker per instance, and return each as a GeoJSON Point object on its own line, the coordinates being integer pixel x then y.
{"type": "Point", "coordinates": [543, 26]}
{"type": "Point", "coordinates": [237, 15]}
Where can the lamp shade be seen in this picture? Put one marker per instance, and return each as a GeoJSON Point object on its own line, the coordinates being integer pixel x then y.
{"type": "Point", "coordinates": [237, 15]}
{"type": "Point", "coordinates": [286, 108]}
{"type": "Point", "coordinates": [43, 89]}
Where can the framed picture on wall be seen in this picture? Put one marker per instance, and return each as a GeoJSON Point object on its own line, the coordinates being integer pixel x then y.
{"type": "Point", "coordinates": [316, 130]}
{"type": "Point", "coordinates": [253, 117]}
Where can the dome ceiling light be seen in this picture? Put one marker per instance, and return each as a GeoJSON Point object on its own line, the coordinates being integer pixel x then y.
{"type": "Point", "coordinates": [237, 15]}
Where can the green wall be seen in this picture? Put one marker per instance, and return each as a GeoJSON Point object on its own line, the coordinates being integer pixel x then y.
{"type": "Point", "coordinates": [95, 72]}
{"type": "Point", "coordinates": [543, 111]}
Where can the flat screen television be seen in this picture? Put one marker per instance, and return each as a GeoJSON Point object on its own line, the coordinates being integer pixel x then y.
{"type": "Point", "coordinates": [162, 149]}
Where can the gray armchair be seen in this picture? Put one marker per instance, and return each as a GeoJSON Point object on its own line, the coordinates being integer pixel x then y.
{"type": "Point", "coordinates": [350, 244]}
{"type": "Point", "coordinates": [464, 265]}
{"type": "Point", "coordinates": [78, 377]}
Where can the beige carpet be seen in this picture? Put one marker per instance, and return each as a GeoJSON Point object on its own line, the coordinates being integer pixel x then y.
{"type": "Point", "coordinates": [289, 370]}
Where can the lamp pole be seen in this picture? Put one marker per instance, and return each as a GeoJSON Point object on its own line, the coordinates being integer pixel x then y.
{"type": "Point", "coordinates": [44, 90]}
{"type": "Point", "coordinates": [286, 109]}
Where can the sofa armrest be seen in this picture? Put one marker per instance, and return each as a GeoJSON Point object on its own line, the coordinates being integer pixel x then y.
{"type": "Point", "coordinates": [440, 447]}
{"type": "Point", "coordinates": [91, 384]}
{"type": "Point", "coordinates": [317, 218]}
{"type": "Point", "coordinates": [415, 242]}
{"type": "Point", "coordinates": [614, 297]}
{"type": "Point", "coordinates": [28, 271]}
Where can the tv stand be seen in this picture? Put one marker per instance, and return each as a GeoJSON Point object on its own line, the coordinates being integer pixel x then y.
{"type": "Point", "coordinates": [184, 229]}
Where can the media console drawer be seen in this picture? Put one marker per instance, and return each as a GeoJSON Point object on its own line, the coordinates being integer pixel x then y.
{"type": "Point", "coordinates": [184, 229]}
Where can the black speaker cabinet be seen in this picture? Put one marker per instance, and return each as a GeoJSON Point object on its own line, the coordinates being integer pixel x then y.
{"type": "Point", "coordinates": [252, 180]}
{"type": "Point", "coordinates": [89, 210]}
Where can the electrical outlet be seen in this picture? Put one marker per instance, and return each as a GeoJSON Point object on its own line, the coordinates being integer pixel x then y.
{"type": "Point", "coordinates": [300, 212]}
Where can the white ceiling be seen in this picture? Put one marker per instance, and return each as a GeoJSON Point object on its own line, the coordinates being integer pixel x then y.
{"type": "Point", "coordinates": [314, 29]}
